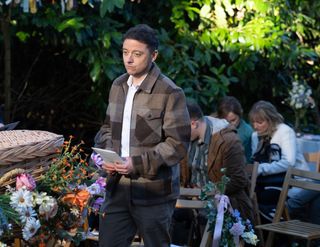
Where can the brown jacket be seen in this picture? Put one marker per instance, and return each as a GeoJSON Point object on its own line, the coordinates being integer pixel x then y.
{"type": "Point", "coordinates": [159, 136]}
{"type": "Point", "coordinates": [226, 151]}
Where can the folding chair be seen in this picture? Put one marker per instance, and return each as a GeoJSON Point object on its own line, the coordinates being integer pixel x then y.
{"type": "Point", "coordinates": [252, 171]}
{"type": "Point", "coordinates": [293, 228]}
{"type": "Point", "coordinates": [189, 198]}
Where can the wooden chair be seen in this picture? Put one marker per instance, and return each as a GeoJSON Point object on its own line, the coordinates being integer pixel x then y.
{"type": "Point", "coordinates": [294, 228]}
{"type": "Point", "coordinates": [189, 198]}
{"type": "Point", "coordinates": [252, 171]}
{"type": "Point", "coordinates": [313, 157]}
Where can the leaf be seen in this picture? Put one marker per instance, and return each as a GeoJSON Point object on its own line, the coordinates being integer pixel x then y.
{"type": "Point", "coordinates": [109, 5]}
{"type": "Point", "coordinates": [95, 71]}
{"type": "Point", "coordinates": [75, 23]}
{"type": "Point", "coordinates": [23, 36]}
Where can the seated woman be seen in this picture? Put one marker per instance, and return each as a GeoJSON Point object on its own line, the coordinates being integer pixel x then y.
{"type": "Point", "coordinates": [230, 109]}
{"type": "Point", "coordinates": [275, 148]}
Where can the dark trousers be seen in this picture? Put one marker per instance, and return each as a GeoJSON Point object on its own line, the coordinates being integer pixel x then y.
{"type": "Point", "coordinates": [122, 220]}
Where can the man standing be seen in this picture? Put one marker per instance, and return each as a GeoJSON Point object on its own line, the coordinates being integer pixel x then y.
{"type": "Point", "coordinates": [147, 123]}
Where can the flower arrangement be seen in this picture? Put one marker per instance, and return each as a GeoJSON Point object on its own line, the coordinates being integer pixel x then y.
{"type": "Point", "coordinates": [56, 206]}
{"type": "Point", "coordinates": [299, 100]}
{"type": "Point", "coordinates": [227, 225]}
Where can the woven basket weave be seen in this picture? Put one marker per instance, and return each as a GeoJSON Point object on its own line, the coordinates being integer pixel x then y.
{"type": "Point", "coordinates": [21, 145]}
{"type": "Point", "coordinates": [29, 151]}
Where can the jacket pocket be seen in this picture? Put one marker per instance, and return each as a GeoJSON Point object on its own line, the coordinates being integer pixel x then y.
{"type": "Point", "coordinates": [149, 126]}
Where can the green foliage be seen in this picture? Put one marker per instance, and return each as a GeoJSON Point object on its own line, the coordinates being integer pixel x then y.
{"type": "Point", "coordinates": [109, 6]}
{"type": "Point", "coordinates": [256, 38]}
{"type": "Point", "coordinates": [249, 49]}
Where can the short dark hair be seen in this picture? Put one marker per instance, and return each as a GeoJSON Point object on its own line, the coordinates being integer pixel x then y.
{"type": "Point", "coordinates": [229, 104]}
{"type": "Point", "coordinates": [144, 34]}
{"type": "Point", "coordinates": [194, 110]}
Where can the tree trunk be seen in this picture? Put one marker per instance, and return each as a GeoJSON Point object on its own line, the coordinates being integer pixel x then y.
{"type": "Point", "coordinates": [5, 29]}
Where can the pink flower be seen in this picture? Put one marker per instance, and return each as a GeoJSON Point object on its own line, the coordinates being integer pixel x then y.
{"type": "Point", "coordinates": [25, 180]}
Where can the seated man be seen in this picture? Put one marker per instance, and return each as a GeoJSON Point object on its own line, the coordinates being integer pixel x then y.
{"type": "Point", "coordinates": [215, 145]}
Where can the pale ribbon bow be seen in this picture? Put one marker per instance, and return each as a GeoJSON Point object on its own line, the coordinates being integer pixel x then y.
{"type": "Point", "coordinates": [223, 205]}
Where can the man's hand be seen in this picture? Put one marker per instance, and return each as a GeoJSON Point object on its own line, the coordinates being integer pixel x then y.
{"type": "Point", "coordinates": [124, 168]}
{"type": "Point", "coordinates": [110, 168]}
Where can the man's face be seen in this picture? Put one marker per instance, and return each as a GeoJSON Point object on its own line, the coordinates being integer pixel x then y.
{"type": "Point", "coordinates": [137, 58]}
{"type": "Point", "coordinates": [233, 119]}
{"type": "Point", "coordinates": [194, 130]}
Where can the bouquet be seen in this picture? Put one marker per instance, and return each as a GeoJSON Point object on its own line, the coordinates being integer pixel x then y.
{"type": "Point", "coordinates": [56, 206]}
{"type": "Point", "coordinates": [299, 100]}
{"type": "Point", "coordinates": [227, 225]}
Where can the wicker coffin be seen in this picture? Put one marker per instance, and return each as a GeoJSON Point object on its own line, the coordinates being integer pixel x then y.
{"type": "Point", "coordinates": [28, 151]}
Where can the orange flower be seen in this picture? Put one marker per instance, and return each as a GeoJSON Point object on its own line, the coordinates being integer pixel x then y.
{"type": "Point", "coordinates": [79, 198]}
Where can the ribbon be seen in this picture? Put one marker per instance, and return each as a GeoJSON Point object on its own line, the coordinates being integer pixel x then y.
{"type": "Point", "coordinates": [236, 240]}
{"type": "Point", "coordinates": [33, 6]}
{"type": "Point", "coordinates": [25, 6]}
{"type": "Point", "coordinates": [223, 205]}
{"type": "Point", "coordinates": [79, 198]}
{"type": "Point", "coordinates": [63, 6]}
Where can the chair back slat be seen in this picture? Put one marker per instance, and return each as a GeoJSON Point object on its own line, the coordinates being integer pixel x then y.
{"type": "Point", "coordinates": [190, 192]}
{"type": "Point", "coordinates": [306, 174]}
{"type": "Point", "coordinates": [309, 185]}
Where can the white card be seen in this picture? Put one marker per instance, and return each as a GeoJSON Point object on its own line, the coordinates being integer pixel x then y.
{"type": "Point", "coordinates": [108, 155]}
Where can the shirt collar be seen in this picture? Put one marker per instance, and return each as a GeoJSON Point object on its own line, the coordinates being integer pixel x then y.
{"type": "Point", "coordinates": [207, 134]}
{"type": "Point", "coordinates": [130, 83]}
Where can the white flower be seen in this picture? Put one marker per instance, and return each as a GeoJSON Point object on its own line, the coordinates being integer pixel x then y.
{"type": "Point", "coordinates": [94, 189]}
{"type": "Point", "coordinates": [250, 238]}
{"type": "Point", "coordinates": [21, 198]}
{"type": "Point", "coordinates": [30, 228]}
{"type": "Point", "coordinates": [75, 212]}
{"type": "Point", "coordinates": [298, 95]}
{"type": "Point", "coordinates": [49, 207]}
{"type": "Point", "coordinates": [2, 244]}
{"type": "Point", "coordinates": [26, 214]}
{"type": "Point", "coordinates": [40, 197]}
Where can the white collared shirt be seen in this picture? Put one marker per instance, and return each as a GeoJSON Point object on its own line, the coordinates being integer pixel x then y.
{"type": "Point", "coordinates": [126, 120]}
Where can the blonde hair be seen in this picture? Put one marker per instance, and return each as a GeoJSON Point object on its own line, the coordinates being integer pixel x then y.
{"type": "Point", "coordinates": [265, 111]}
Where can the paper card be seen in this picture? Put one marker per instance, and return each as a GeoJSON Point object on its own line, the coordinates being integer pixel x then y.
{"type": "Point", "coordinates": [108, 155]}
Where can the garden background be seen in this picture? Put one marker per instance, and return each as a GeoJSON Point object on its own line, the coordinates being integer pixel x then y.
{"type": "Point", "coordinates": [57, 64]}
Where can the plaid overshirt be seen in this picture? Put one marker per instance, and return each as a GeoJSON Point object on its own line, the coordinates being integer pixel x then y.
{"type": "Point", "coordinates": [159, 135]}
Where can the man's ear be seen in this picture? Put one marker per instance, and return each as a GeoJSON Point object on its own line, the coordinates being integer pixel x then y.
{"type": "Point", "coordinates": [194, 124]}
{"type": "Point", "coordinates": [154, 55]}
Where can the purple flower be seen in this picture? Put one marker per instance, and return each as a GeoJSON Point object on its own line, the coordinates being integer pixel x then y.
{"type": "Point", "coordinates": [101, 181]}
{"type": "Point", "coordinates": [236, 214]}
{"type": "Point", "coordinates": [97, 203]}
{"type": "Point", "coordinates": [97, 159]}
{"type": "Point", "coordinates": [237, 229]}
